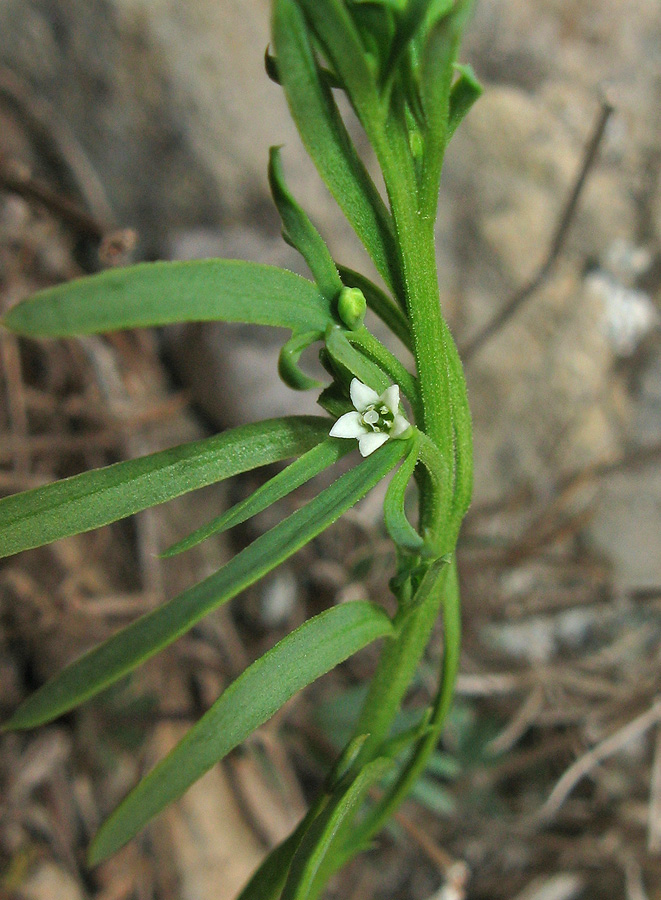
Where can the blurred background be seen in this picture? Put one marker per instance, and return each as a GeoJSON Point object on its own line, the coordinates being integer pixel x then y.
{"type": "Point", "coordinates": [139, 129]}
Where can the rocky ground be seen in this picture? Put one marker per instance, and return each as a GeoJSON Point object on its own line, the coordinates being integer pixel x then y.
{"type": "Point", "coordinates": [156, 116]}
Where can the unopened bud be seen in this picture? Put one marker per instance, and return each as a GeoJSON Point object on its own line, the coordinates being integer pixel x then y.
{"type": "Point", "coordinates": [351, 307]}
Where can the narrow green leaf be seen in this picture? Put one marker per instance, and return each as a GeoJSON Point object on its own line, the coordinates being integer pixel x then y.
{"type": "Point", "coordinates": [288, 368]}
{"type": "Point", "coordinates": [296, 474]}
{"type": "Point", "coordinates": [101, 496]}
{"type": "Point", "coordinates": [164, 292]}
{"type": "Point", "coordinates": [320, 125]}
{"type": "Point", "coordinates": [375, 351]}
{"type": "Point", "coordinates": [380, 304]}
{"type": "Point", "coordinates": [434, 797]}
{"type": "Point", "coordinates": [269, 879]}
{"type": "Point", "coordinates": [343, 765]}
{"type": "Point", "coordinates": [297, 660]}
{"type": "Point", "coordinates": [301, 233]}
{"type": "Point", "coordinates": [314, 860]}
{"type": "Point", "coordinates": [463, 433]}
{"type": "Point", "coordinates": [438, 55]}
{"type": "Point", "coordinates": [397, 525]}
{"type": "Point", "coordinates": [341, 42]}
{"type": "Point", "coordinates": [342, 353]}
{"type": "Point", "coordinates": [463, 94]}
{"type": "Point", "coordinates": [116, 657]}
{"type": "Point", "coordinates": [376, 24]}
{"type": "Point", "coordinates": [408, 24]}
{"type": "Point", "coordinates": [443, 765]}
{"type": "Point", "coordinates": [271, 67]}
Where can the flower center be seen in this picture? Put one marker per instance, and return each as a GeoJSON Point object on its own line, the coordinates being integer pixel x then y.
{"type": "Point", "coordinates": [378, 417]}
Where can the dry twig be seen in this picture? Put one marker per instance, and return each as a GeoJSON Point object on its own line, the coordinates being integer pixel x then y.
{"type": "Point", "coordinates": [590, 760]}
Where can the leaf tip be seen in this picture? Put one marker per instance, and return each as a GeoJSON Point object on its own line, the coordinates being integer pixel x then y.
{"type": "Point", "coordinates": [95, 854]}
{"type": "Point", "coordinates": [17, 722]}
{"type": "Point", "coordinates": [106, 842]}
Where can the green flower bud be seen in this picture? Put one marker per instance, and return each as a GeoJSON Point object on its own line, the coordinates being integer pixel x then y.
{"type": "Point", "coordinates": [351, 307]}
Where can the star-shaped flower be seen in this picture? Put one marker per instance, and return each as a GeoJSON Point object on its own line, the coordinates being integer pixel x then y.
{"type": "Point", "coordinates": [375, 419]}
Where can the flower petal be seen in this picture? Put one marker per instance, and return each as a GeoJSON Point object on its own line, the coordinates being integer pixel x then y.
{"type": "Point", "coordinates": [368, 443]}
{"type": "Point", "coordinates": [399, 426]}
{"type": "Point", "coordinates": [349, 426]}
{"type": "Point", "coordinates": [361, 395]}
{"type": "Point", "coordinates": [391, 398]}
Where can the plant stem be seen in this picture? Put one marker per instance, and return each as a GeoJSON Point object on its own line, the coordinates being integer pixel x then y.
{"type": "Point", "coordinates": [398, 663]}
{"type": "Point", "coordinates": [449, 453]}
{"type": "Point", "coordinates": [415, 236]}
{"type": "Point", "coordinates": [417, 762]}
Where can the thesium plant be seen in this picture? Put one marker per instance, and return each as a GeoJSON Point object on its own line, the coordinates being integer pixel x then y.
{"type": "Point", "coordinates": [395, 60]}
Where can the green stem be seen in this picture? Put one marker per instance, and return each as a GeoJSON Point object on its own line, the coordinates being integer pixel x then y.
{"type": "Point", "coordinates": [415, 236]}
{"type": "Point", "coordinates": [445, 455]}
{"type": "Point", "coordinates": [398, 663]}
{"type": "Point", "coordinates": [445, 439]}
{"type": "Point", "coordinates": [415, 766]}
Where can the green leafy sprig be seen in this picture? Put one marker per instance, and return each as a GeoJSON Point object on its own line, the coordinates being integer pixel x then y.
{"type": "Point", "coordinates": [395, 60]}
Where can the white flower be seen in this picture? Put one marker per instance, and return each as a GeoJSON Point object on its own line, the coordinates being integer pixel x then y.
{"type": "Point", "coordinates": [374, 419]}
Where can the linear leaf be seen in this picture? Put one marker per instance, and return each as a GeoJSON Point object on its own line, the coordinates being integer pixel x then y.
{"type": "Point", "coordinates": [408, 24]}
{"type": "Point", "coordinates": [164, 292]}
{"type": "Point", "coordinates": [269, 879]}
{"type": "Point", "coordinates": [290, 353]}
{"type": "Point", "coordinates": [375, 351]}
{"type": "Point", "coordinates": [337, 32]}
{"type": "Point", "coordinates": [313, 861]}
{"type": "Point", "coordinates": [96, 498]}
{"type": "Point", "coordinates": [318, 120]}
{"type": "Point", "coordinates": [301, 233]}
{"type": "Point", "coordinates": [376, 24]}
{"type": "Point", "coordinates": [317, 646]}
{"type": "Point", "coordinates": [464, 93]}
{"type": "Point", "coordinates": [116, 657]}
{"type": "Point", "coordinates": [296, 474]}
{"type": "Point", "coordinates": [397, 525]}
{"type": "Point", "coordinates": [342, 353]}
{"type": "Point", "coordinates": [438, 56]}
